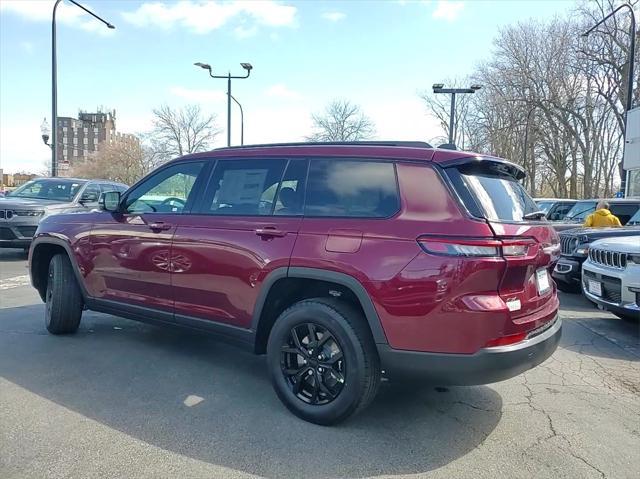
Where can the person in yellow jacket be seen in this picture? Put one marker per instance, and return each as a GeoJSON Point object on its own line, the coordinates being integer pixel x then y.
{"type": "Point", "coordinates": [602, 217]}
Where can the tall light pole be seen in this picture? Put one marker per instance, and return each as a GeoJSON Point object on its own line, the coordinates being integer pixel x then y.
{"type": "Point", "coordinates": [241, 120]}
{"type": "Point", "coordinates": [439, 88]}
{"type": "Point", "coordinates": [632, 52]}
{"type": "Point", "coordinates": [248, 68]}
{"type": "Point", "coordinates": [54, 82]}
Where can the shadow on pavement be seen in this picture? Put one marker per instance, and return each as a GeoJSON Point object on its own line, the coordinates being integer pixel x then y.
{"type": "Point", "coordinates": [135, 380]}
{"type": "Point", "coordinates": [11, 254]}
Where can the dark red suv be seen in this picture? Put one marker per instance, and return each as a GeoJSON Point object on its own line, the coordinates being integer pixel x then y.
{"type": "Point", "coordinates": [341, 262]}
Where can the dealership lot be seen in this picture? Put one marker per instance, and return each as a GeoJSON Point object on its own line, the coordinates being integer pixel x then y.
{"type": "Point", "coordinates": [124, 399]}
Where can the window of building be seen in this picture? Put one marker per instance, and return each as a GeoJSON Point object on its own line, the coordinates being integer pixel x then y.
{"type": "Point", "coordinates": [86, 130]}
{"type": "Point", "coordinates": [95, 130]}
{"type": "Point", "coordinates": [64, 129]}
{"type": "Point", "coordinates": [95, 139]}
{"type": "Point", "coordinates": [342, 188]}
{"type": "Point", "coordinates": [64, 140]}
{"type": "Point", "coordinates": [85, 140]}
{"type": "Point", "coordinates": [75, 152]}
{"type": "Point", "coordinates": [244, 187]}
{"type": "Point", "coordinates": [75, 141]}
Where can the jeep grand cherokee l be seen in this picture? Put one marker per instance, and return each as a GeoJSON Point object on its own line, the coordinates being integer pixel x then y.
{"type": "Point", "coordinates": [339, 261]}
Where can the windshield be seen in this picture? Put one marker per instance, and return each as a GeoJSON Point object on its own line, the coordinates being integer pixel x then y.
{"type": "Point", "coordinates": [48, 189]}
{"type": "Point", "coordinates": [545, 206]}
{"type": "Point", "coordinates": [580, 210]}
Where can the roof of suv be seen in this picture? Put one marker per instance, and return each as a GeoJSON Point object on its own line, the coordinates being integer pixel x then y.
{"type": "Point", "coordinates": [413, 150]}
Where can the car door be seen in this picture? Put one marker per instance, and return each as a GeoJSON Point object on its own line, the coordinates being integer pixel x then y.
{"type": "Point", "coordinates": [131, 257]}
{"type": "Point", "coordinates": [244, 227]}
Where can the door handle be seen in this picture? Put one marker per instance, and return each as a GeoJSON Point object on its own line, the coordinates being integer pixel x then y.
{"type": "Point", "coordinates": [159, 226]}
{"type": "Point", "coordinates": [270, 232]}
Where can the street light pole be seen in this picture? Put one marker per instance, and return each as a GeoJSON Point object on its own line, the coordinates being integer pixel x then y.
{"type": "Point", "coordinates": [229, 77]}
{"type": "Point", "coordinates": [632, 52]}
{"type": "Point", "coordinates": [54, 82]}
{"type": "Point", "coordinates": [439, 88]}
{"type": "Point", "coordinates": [241, 120]}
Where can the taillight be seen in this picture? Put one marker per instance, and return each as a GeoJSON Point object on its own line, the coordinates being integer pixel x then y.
{"type": "Point", "coordinates": [460, 246]}
{"type": "Point", "coordinates": [506, 340]}
{"type": "Point", "coordinates": [475, 247]}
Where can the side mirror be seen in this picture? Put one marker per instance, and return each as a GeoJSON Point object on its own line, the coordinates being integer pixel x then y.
{"type": "Point", "coordinates": [109, 201]}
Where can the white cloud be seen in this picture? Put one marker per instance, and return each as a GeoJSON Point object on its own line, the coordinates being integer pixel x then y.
{"type": "Point", "coordinates": [334, 16]}
{"type": "Point", "coordinates": [448, 10]}
{"type": "Point", "coordinates": [205, 16]}
{"type": "Point", "coordinates": [195, 95]}
{"type": "Point", "coordinates": [68, 14]}
{"type": "Point", "coordinates": [280, 90]}
{"type": "Point", "coordinates": [21, 147]}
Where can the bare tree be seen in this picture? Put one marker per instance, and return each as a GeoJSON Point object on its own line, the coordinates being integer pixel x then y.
{"type": "Point", "coordinates": [342, 121]}
{"type": "Point", "coordinates": [177, 132]}
{"type": "Point", "coordinates": [122, 162]}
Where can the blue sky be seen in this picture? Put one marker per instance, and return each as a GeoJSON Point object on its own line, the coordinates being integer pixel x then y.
{"type": "Point", "coordinates": [377, 54]}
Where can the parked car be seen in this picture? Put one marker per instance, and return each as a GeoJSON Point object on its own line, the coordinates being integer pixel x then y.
{"type": "Point", "coordinates": [611, 275]}
{"type": "Point", "coordinates": [22, 209]}
{"type": "Point", "coordinates": [575, 244]}
{"type": "Point", "coordinates": [623, 208]}
{"type": "Point", "coordinates": [339, 261]}
{"type": "Point", "coordinates": [555, 209]}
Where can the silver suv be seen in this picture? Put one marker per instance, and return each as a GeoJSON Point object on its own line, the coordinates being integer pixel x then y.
{"type": "Point", "coordinates": [22, 209]}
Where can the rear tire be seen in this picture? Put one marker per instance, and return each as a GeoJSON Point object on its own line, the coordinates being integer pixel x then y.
{"type": "Point", "coordinates": [334, 371]}
{"type": "Point", "coordinates": [63, 297]}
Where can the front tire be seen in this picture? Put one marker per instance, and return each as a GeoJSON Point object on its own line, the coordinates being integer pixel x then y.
{"type": "Point", "coordinates": [63, 298]}
{"type": "Point", "coordinates": [322, 360]}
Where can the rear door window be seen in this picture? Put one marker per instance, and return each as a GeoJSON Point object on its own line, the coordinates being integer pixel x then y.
{"type": "Point", "coordinates": [359, 189]}
{"type": "Point", "coordinates": [490, 191]}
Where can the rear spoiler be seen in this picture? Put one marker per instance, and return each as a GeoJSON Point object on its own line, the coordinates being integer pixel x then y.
{"type": "Point", "coordinates": [497, 165]}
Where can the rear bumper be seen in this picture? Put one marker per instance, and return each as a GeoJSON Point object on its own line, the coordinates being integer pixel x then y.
{"type": "Point", "coordinates": [568, 271]}
{"type": "Point", "coordinates": [488, 365]}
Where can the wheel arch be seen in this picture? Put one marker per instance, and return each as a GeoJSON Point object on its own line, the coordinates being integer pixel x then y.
{"type": "Point", "coordinates": [285, 286]}
{"type": "Point", "coordinates": [42, 250]}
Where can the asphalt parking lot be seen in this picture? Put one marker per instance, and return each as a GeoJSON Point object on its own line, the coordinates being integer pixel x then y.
{"type": "Point", "coordinates": [124, 399]}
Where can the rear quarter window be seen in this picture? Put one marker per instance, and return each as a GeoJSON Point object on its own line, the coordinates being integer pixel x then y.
{"type": "Point", "coordinates": [358, 189]}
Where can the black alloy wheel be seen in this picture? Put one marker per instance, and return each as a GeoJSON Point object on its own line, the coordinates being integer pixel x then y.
{"type": "Point", "coordinates": [313, 363]}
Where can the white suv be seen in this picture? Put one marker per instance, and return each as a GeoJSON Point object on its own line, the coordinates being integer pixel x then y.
{"type": "Point", "coordinates": [611, 275]}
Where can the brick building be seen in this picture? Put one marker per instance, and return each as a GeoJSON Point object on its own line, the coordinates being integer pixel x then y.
{"type": "Point", "coordinates": [79, 137]}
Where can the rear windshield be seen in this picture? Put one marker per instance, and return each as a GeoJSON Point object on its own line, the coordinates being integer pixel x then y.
{"type": "Point", "coordinates": [491, 193]}
{"type": "Point", "coordinates": [580, 211]}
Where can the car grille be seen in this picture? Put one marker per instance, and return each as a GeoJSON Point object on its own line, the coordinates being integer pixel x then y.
{"type": "Point", "coordinates": [6, 234]}
{"type": "Point", "coordinates": [611, 259]}
{"type": "Point", "coordinates": [611, 287]}
{"type": "Point", "coordinates": [568, 244]}
{"type": "Point", "coordinates": [27, 231]}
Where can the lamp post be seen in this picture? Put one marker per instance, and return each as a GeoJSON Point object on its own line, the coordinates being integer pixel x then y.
{"type": "Point", "coordinates": [248, 68]}
{"type": "Point", "coordinates": [54, 82]}
{"type": "Point", "coordinates": [241, 120]}
{"type": "Point", "coordinates": [632, 51]}
{"type": "Point", "coordinates": [439, 88]}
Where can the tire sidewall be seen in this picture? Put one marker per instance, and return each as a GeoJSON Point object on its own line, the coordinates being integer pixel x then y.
{"type": "Point", "coordinates": [327, 317]}
{"type": "Point", "coordinates": [50, 294]}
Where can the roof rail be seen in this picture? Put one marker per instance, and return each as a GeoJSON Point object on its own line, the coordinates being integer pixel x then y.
{"type": "Point", "coordinates": [448, 146]}
{"type": "Point", "coordinates": [409, 144]}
